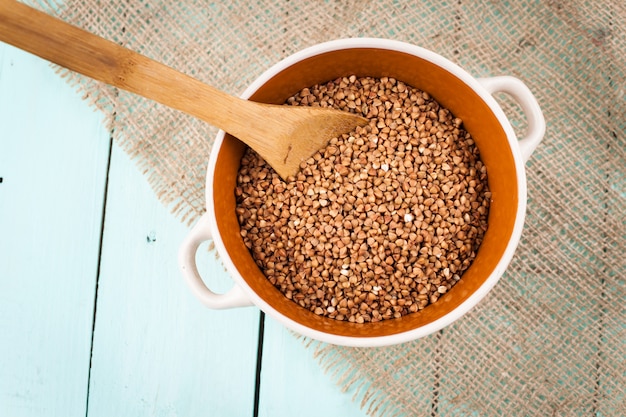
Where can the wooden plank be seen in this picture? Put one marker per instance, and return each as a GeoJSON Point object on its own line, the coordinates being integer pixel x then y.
{"type": "Point", "coordinates": [157, 350]}
{"type": "Point", "coordinates": [53, 159]}
{"type": "Point", "coordinates": [293, 384]}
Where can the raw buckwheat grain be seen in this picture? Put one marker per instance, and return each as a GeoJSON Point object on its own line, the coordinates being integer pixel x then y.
{"type": "Point", "coordinates": [381, 222]}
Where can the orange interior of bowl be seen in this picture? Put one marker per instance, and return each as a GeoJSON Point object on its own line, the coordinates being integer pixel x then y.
{"type": "Point", "coordinates": [450, 92]}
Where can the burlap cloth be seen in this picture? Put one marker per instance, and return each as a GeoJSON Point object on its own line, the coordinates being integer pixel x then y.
{"type": "Point", "coordinates": [550, 339]}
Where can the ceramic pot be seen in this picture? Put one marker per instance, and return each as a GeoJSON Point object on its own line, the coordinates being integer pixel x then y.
{"type": "Point", "coordinates": [466, 97]}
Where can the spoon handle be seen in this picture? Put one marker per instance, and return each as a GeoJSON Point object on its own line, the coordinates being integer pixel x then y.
{"type": "Point", "coordinates": [83, 52]}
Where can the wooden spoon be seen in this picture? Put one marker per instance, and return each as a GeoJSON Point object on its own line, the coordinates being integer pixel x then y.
{"type": "Point", "coordinates": [283, 135]}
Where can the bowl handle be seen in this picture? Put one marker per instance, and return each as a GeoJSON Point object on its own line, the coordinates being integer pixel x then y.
{"type": "Point", "coordinates": [521, 93]}
{"type": "Point", "coordinates": [201, 232]}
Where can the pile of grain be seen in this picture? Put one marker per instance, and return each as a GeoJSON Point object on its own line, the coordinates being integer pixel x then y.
{"type": "Point", "coordinates": [381, 222]}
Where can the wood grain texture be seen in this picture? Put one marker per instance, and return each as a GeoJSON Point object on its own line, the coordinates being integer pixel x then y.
{"type": "Point", "coordinates": [283, 136]}
{"type": "Point", "coordinates": [157, 350]}
{"type": "Point", "coordinates": [53, 158]}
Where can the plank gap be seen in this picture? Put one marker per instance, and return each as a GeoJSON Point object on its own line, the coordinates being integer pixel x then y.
{"type": "Point", "coordinates": [100, 245]}
{"type": "Point", "coordinates": [434, 404]}
{"type": "Point", "coordinates": [259, 361]}
{"type": "Point", "coordinates": [597, 388]}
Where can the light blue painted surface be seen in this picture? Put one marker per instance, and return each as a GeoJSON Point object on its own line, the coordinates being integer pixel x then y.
{"type": "Point", "coordinates": [293, 384]}
{"type": "Point", "coordinates": [156, 350]}
{"type": "Point", "coordinates": [53, 156]}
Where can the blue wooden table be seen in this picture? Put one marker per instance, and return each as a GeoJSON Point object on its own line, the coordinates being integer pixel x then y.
{"type": "Point", "coordinates": [95, 319]}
